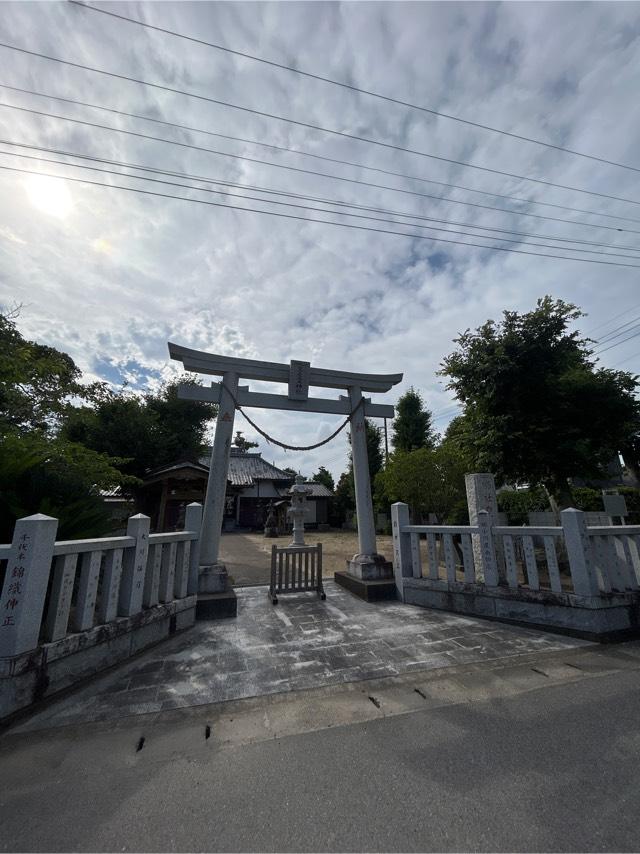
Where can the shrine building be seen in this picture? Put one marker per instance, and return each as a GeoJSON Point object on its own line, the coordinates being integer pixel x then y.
{"type": "Point", "coordinates": [252, 485]}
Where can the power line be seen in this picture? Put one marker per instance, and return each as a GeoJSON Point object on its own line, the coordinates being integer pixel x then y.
{"type": "Point", "coordinates": [353, 88]}
{"type": "Point", "coordinates": [311, 126]}
{"type": "Point", "coordinates": [337, 202]}
{"type": "Point", "coordinates": [628, 359]}
{"type": "Point", "coordinates": [193, 147]}
{"type": "Point", "coordinates": [617, 331]}
{"type": "Point", "coordinates": [615, 317]}
{"type": "Point", "coordinates": [446, 414]}
{"type": "Point", "coordinates": [311, 208]}
{"type": "Point", "coordinates": [315, 220]}
{"type": "Point", "coordinates": [305, 153]}
{"type": "Point", "coordinates": [618, 343]}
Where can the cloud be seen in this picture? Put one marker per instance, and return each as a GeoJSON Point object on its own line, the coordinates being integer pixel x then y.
{"type": "Point", "coordinates": [121, 273]}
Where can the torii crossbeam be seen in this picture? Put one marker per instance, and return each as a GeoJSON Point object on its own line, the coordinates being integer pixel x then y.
{"type": "Point", "coordinates": [298, 376]}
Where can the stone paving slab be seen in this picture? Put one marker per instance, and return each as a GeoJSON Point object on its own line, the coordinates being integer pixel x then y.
{"type": "Point", "coordinates": [300, 643]}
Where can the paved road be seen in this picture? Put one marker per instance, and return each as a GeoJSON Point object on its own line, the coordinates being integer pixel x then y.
{"type": "Point", "coordinates": [497, 764]}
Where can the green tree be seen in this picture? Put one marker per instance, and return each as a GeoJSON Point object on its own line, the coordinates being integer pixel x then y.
{"type": "Point", "coordinates": [37, 383]}
{"type": "Point", "coordinates": [59, 478]}
{"type": "Point", "coordinates": [325, 477]}
{"type": "Point", "coordinates": [537, 410]}
{"type": "Point", "coordinates": [149, 431]}
{"type": "Point", "coordinates": [518, 503]}
{"type": "Point", "coordinates": [41, 470]}
{"type": "Point", "coordinates": [412, 427]}
{"type": "Point", "coordinates": [375, 453]}
{"type": "Point", "coordinates": [429, 480]}
{"type": "Point", "coordinates": [345, 502]}
{"type": "Point", "coordinates": [344, 505]}
{"type": "Point", "coordinates": [243, 444]}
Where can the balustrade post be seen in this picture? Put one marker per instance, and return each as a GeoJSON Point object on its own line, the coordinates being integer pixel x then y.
{"type": "Point", "coordinates": [193, 522]}
{"type": "Point", "coordinates": [487, 550]}
{"type": "Point", "coordinates": [402, 558]}
{"type": "Point", "coordinates": [25, 584]}
{"type": "Point", "coordinates": [581, 564]}
{"type": "Point", "coordinates": [134, 564]}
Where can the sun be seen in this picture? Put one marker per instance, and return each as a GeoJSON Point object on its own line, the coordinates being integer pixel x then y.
{"type": "Point", "coordinates": [50, 195]}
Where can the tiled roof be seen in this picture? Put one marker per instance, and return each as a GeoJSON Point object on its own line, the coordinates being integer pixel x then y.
{"type": "Point", "coordinates": [245, 469]}
{"type": "Point", "coordinates": [185, 464]}
{"type": "Point", "coordinates": [319, 490]}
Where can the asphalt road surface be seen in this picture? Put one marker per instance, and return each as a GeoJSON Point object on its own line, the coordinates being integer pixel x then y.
{"type": "Point", "coordinates": [548, 765]}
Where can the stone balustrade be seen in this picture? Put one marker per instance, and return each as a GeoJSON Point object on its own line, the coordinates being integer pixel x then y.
{"type": "Point", "coordinates": [70, 608]}
{"type": "Point", "coordinates": [581, 579]}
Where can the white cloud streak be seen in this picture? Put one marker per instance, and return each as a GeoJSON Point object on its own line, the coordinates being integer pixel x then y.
{"type": "Point", "coordinates": [120, 274]}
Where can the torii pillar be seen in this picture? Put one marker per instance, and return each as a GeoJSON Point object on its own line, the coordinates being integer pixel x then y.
{"type": "Point", "coordinates": [213, 574]}
{"type": "Point", "coordinates": [367, 565]}
{"type": "Point", "coordinates": [368, 573]}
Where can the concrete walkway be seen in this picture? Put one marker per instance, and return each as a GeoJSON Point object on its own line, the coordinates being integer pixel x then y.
{"type": "Point", "coordinates": [300, 643]}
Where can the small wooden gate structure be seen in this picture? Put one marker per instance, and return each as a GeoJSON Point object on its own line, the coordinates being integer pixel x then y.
{"type": "Point", "coordinates": [294, 569]}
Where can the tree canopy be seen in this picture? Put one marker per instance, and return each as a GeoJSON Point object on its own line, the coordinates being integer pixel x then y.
{"type": "Point", "coordinates": [150, 430]}
{"type": "Point", "coordinates": [243, 444]}
{"type": "Point", "coordinates": [429, 480]}
{"type": "Point", "coordinates": [41, 470]}
{"type": "Point", "coordinates": [325, 477]}
{"type": "Point", "coordinates": [62, 441]}
{"type": "Point", "coordinates": [537, 409]}
{"type": "Point", "coordinates": [37, 383]}
{"type": "Point", "coordinates": [412, 427]}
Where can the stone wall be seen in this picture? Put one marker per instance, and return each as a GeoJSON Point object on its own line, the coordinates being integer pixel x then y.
{"type": "Point", "coordinates": [52, 667]}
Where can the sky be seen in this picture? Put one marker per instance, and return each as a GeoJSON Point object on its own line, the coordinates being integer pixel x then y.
{"type": "Point", "coordinates": [111, 276]}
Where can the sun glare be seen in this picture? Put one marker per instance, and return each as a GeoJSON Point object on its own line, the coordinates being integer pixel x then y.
{"type": "Point", "coordinates": [50, 195]}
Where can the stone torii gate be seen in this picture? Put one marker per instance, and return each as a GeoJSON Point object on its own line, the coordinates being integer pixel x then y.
{"type": "Point", "coordinates": [367, 565]}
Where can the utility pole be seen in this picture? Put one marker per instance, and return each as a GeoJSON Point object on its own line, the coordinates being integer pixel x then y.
{"type": "Point", "coordinates": [386, 444]}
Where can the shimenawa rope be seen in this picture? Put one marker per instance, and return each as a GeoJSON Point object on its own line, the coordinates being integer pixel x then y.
{"type": "Point", "coordinates": [273, 441]}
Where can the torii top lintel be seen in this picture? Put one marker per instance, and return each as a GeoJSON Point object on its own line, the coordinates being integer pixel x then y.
{"type": "Point", "coordinates": [210, 363]}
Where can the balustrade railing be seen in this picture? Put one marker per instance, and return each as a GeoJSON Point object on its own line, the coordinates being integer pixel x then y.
{"type": "Point", "coordinates": [52, 589]}
{"type": "Point", "coordinates": [527, 550]}
{"type": "Point", "coordinates": [616, 556]}
{"type": "Point", "coordinates": [572, 558]}
{"type": "Point", "coordinates": [448, 552]}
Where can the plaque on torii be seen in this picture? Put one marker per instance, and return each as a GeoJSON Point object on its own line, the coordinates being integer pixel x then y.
{"type": "Point", "coordinates": [298, 376]}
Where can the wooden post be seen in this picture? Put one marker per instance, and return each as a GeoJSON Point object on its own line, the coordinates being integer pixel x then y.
{"type": "Point", "coordinates": [25, 584]}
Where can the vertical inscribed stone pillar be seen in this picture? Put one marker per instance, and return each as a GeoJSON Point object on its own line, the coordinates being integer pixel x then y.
{"type": "Point", "coordinates": [481, 495]}
{"type": "Point", "coordinates": [25, 584]}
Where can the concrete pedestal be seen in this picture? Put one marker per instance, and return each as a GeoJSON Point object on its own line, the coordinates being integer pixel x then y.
{"type": "Point", "coordinates": [217, 606]}
{"type": "Point", "coordinates": [216, 599]}
{"type": "Point", "coordinates": [213, 578]}
{"type": "Point", "coordinates": [368, 576]}
{"type": "Point", "coordinates": [370, 567]}
{"type": "Point", "coordinates": [371, 591]}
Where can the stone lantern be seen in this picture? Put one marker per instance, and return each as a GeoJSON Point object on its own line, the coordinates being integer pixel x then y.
{"type": "Point", "coordinates": [298, 510]}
